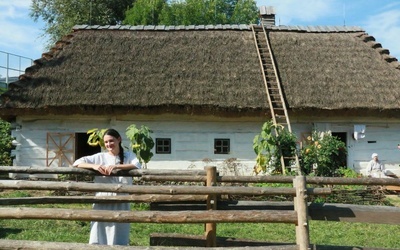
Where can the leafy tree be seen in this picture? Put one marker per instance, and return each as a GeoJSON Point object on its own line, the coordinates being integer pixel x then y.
{"type": "Point", "coordinates": [5, 144]}
{"type": "Point", "coordinates": [61, 15]}
{"type": "Point", "coordinates": [245, 11]}
{"type": "Point", "coordinates": [145, 12]}
{"type": "Point", "coordinates": [192, 12]}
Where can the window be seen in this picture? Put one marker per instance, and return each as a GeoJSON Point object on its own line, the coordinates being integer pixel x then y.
{"type": "Point", "coordinates": [163, 145]}
{"type": "Point", "coordinates": [222, 146]}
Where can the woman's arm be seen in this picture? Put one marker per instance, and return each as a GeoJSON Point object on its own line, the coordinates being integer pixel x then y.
{"type": "Point", "coordinates": [106, 170]}
{"type": "Point", "coordinates": [88, 165]}
{"type": "Point", "coordinates": [124, 166]}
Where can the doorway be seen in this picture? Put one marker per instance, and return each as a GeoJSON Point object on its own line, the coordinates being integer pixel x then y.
{"type": "Point", "coordinates": [82, 148]}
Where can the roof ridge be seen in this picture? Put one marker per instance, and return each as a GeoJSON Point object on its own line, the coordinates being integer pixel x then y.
{"type": "Point", "coordinates": [299, 28]}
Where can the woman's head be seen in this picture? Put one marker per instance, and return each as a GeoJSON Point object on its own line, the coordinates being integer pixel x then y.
{"type": "Point", "coordinates": [113, 143]}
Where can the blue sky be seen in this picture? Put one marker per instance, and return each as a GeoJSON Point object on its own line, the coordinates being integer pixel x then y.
{"type": "Point", "coordinates": [379, 18]}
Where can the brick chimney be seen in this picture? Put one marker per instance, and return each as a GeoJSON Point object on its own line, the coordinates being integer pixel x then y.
{"type": "Point", "coordinates": [267, 15]}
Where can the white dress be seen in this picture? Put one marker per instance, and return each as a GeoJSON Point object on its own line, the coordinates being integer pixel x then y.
{"type": "Point", "coordinates": [110, 233]}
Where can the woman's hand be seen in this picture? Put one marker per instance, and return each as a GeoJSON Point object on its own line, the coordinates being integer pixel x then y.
{"type": "Point", "coordinates": [106, 170]}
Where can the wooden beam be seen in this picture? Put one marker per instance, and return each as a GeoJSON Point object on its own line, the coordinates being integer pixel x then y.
{"type": "Point", "coordinates": [73, 170]}
{"type": "Point", "coordinates": [211, 228]}
{"type": "Point", "coordinates": [170, 190]}
{"type": "Point", "coordinates": [101, 199]}
{"type": "Point", "coordinates": [300, 204]}
{"type": "Point", "coordinates": [149, 216]}
{"type": "Point", "coordinates": [43, 245]}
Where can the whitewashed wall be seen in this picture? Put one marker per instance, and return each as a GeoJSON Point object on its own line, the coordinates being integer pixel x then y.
{"type": "Point", "coordinates": [381, 137]}
{"type": "Point", "coordinates": [193, 139]}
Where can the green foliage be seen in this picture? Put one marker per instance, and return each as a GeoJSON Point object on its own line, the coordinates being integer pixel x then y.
{"type": "Point", "coordinates": [245, 12]}
{"type": "Point", "coordinates": [96, 137]}
{"type": "Point", "coordinates": [5, 144]}
{"type": "Point", "coordinates": [347, 172]}
{"type": "Point", "coordinates": [61, 15]}
{"type": "Point", "coordinates": [144, 12]}
{"type": "Point", "coordinates": [270, 145]}
{"type": "Point", "coordinates": [192, 12]}
{"type": "Point", "coordinates": [323, 154]}
{"type": "Point", "coordinates": [141, 141]}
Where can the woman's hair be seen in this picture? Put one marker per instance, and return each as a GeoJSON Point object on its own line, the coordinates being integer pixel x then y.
{"type": "Point", "coordinates": [114, 133]}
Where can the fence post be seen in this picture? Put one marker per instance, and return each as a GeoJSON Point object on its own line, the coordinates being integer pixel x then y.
{"type": "Point", "coordinates": [211, 228]}
{"type": "Point", "coordinates": [301, 207]}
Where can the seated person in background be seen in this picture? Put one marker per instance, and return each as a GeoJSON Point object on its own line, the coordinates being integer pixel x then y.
{"type": "Point", "coordinates": [375, 167]}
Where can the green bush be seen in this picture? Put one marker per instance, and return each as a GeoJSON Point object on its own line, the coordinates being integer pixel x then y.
{"type": "Point", "coordinates": [273, 142]}
{"type": "Point", "coordinates": [323, 154]}
{"type": "Point", "coordinates": [5, 144]}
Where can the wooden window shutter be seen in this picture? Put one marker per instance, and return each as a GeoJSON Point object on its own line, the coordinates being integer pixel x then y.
{"type": "Point", "coordinates": [60, 149]}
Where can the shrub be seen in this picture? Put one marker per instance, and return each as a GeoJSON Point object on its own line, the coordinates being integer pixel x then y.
{"type": "Point", "coordinates": [273, 142]}
{"type": "Point", "coordinates": [323, 154]}
{"type": "Point", "coordinates": [5, 144]}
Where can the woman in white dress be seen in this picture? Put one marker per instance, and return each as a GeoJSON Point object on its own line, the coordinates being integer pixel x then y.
{"type": "Point", "coordinates": [110, 233]}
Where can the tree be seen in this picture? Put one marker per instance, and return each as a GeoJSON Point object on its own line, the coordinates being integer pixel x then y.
{"type": "Point", "coordinates": [61, 15]}
{"type": "Point", "coordinates": [245, 11]}
{"type": "Point", "coordinates": [192, 12]}
{"type": "Point", "coordinates": [145, 12]}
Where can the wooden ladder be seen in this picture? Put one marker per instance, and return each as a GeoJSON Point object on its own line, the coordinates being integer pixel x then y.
{"type": "Point", "coordinates": [272, 84]}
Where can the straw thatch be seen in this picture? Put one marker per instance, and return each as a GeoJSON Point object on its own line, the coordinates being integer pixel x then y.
{"type": "Point", "coordinates": [335, 71]}
{"type": "Point", "coordinates": [203, 70]}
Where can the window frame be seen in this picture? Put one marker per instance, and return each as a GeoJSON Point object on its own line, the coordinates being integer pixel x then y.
{"type": "Point", "coordinates": [222, 149]}
{"type": "Point", "coordinates": [163, 151]}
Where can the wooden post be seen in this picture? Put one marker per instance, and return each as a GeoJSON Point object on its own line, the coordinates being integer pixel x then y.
{"type": "Point", "coordinates": [211, 228]}
{"type": "Point", "coordinates": [301, 207]}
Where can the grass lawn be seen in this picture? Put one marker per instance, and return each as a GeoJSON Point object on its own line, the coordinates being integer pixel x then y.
{"type": "Point", "coordinates": [321, 232]}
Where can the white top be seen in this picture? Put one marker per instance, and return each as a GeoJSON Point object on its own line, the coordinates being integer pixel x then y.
{"type": "Point", "coordinates": [110, 233]}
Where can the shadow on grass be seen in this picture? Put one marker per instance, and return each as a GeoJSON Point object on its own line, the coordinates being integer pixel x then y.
{"type": "Point", "coordinates": [4, 232]}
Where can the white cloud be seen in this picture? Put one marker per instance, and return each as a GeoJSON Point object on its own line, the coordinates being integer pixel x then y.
{"type": "Point", "coordinates": [14, 9]}
{"type": "Point", "coordinates": [20, 34]}
{"type": "Point", "coordinates": [385, 27]}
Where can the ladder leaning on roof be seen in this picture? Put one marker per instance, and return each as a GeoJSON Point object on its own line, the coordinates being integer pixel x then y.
{"type": "Point", "coordinates": [276, 102]}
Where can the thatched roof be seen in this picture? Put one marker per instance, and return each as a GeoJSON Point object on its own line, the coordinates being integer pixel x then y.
{"type": "Point", "coordinates": [204, 70]}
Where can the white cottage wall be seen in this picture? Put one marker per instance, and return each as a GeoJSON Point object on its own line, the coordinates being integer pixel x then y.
{"type": "Point", "coordinates": [192, 139]}
{"type": "Point", "coordinates": [382, 139]}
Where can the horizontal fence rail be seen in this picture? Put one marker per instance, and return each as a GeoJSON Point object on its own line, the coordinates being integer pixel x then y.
{"type": "Point", "coordinates": [150, 217]}
{"type": "Point", "coordinates": [200, 176]}
{"type": "Point", "coordinates": [119, 188]}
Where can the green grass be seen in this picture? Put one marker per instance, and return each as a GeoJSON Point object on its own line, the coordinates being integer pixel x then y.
{"type": "Point", "coordinates": [321, 232]}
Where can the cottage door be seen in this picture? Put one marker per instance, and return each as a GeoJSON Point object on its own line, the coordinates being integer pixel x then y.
{"type": "Point", "coordinates": [60, 149]}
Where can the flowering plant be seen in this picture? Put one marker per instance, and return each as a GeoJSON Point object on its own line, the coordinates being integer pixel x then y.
{"type": "Point", "coordinates": [323, 154]}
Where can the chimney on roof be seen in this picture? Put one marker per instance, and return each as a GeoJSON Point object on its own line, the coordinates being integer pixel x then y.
{"type": "Point", "coordinates": [267, 15]}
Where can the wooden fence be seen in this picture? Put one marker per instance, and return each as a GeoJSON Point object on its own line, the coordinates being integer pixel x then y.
{"type": "Point", "coordinates": [298, 212]}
